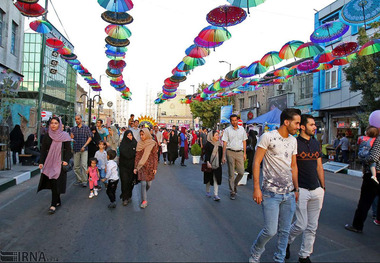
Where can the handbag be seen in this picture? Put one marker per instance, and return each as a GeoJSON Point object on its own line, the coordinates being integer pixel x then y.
{"type": "Point", "coordinates": [205, 169]}
{"type": "Point", "coordinates": [66, 168]}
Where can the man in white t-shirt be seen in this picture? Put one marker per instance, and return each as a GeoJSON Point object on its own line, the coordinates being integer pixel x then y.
{"type": "Point", "coordinates": [279, 192]}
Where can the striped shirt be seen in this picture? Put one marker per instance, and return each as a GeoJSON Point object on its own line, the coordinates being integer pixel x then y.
{"type": "Point", "coordinates": [81, 136]}
{"type": "Point", "coordinates": [374, 155]}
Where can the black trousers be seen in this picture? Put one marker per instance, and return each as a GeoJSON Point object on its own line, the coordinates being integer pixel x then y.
{"type": "Point", "coordinates": [111, 190]}
{"type": "Point", "coordinates": [127, 184]}
{"type": "Point", "coordinates": [55, 196]}
{"type": "Point", "coordinates": [250, 155]}
{"type": "Point", "coordinates": [182, 154]}
{"type": "Point", "coordinates": [370, 189]}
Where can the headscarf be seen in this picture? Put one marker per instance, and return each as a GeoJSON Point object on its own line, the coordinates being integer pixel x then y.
{"type": "Point", "coordinates": [127, 146]}
{"type": "Point", "coordinates": [146, 145]}
{"type": "Point", "coordinates": [195, 137]}
{"type": "Point", "coordinates": [96, 139]}
{"type": "Point", "coordinates": [17, 138]}
{"type": "Point", "coordinates": [115, 138]}
{"type": "Point", "coordinates": [29, 141]}
{"type": "Point", "coordinates": [52, 166]}
{"type": "Point", "coordinates": [214, 159]}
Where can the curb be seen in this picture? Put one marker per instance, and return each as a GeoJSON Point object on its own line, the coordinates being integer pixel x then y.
{"type": "Point", "coordinates": [19, 179]}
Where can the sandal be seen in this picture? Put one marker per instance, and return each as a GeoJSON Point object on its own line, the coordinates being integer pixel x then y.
{"type": "Point", "coordinates": [52, 210]}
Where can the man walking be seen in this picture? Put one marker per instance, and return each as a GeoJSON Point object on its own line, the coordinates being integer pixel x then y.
{"type": "Point", "coordinates": [102, 132]}
{"type": "Point", "coordinates": [234, 146]}
{"type": "Point", "coordinates": [158, 134]}
{"type": "Point", "coordinates": [82, 136]}
{"type": "Point", "coordinates": [279, 190]}
{"type": "Point", "coordinates": [344, 145]}
{"type": "Point", "coordinates": [311, 182]}
{"type": "Point", "coordinates": [136, 130]}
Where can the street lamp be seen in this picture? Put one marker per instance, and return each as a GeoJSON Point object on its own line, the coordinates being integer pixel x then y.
{"type": "Point", "coordinates": [100, 83]}
{"type": "Point", "coordinates": [90, 104]}
{"type": "Point", "coordinates": [192, 115]}
{"type": "Point", "coordinates": [222, 61]}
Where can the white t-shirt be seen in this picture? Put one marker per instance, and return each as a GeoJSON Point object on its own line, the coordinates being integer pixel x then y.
{"type": "Point", "coordinates": [112, 170]}
{"type": "Point", "coordinates": [102, 159]}
{"type": "Point", "coordinates": [277, 172]}
{"type": "Point", "coordinates": [234, 138]}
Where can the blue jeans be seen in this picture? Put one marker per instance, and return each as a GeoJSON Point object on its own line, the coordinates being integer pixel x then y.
{"type": "Point", "coordinates": [102, 174]}
{"type": "Point", "coordinates": [278, 211]}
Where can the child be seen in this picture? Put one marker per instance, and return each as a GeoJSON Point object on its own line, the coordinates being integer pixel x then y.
{"type": "Point", "coordinates": [101, 156]}
{"type": "Point", "coordinates": [112, 176]}
{"type": "Point", "coordinates": [164, 147]}
{"type": "Point", "coordinates": [371, 134]}
{"type": "Point", "coordinates": [93, 177]}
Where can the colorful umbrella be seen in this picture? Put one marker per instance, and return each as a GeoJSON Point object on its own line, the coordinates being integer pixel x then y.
{"type": "Point", "coordinates": [324, 57]}
{"type": "Point", "coordinates": [118, 18]}
{"type": "Point", "coordinates": [345, 49]}
{"type": "Point", "coordinates": [115, 54]}
{"type": "Point", "coordinates": [232, 76]}
{"type": "Point", "coordinates": [54, 43]}
{"type": "Point", "coordinates": [307, 65]}
{"type": "Point", "coordinates": [339, 61]}
{"type": "Point", "coordinates": [195, 51]}
{"type": "Point", "coordinates": [352, 56]}
{"type": "Point", "coordinates": [308, 49]}
{"type": "Point", "coordinates": [109, 73]}
{"type": "Point", "coordinates": [116, 5]}
{"type": "Point", "coordinates": [169, 83]}
{"type": "Point", "coordinates": [360, 12]}
{"type": "Point", "coordinates": [287, 51]}
{"type": "Point", "coordinates": [270, 59]}
{"type": "Point", "coordinates": [73, 61]}
{"type": "Point", "coordinates": [41, 26]}
{"type": "Point", "coordinates": [64, 51]}
{"type": "Point", "coordinates": [194, 62]}
{"type": "Point", "coordinates": [69, 56]}
{"type": "Point", "coordinates": [177, 78]}
{"type": "Point", "coordinates": [117, 64]}
{"type": "Point", "coordinates": [370, 48]}
{"type": "Point", "coordinates": [324, 66]}
{"type": "Point", "coordinates": [214, 34]}
{"type": "Point", "coordinates": [177, 73]}
{"type": "Point", "coordinates": [116, 49]}
{"type": "Point", "coordinates": [118, 32]}
{"type": "Point", "coordinates": [329, 32]}
{"type": "Point", "coordinates": [30, 9]}
{"type": "Point", "coordinates": [184, 67]}
{"type": "Point", "coordinates": [226, 15]}
{"type": "Point", "coordinates": [29, 1]}
{"type": "Point", "coordinates": [225, 84]}
{"type": "Point", "coordinates": [246, 3]}
{"type": "Point", "coordinates": [115, 57]}
{"type": "Point", "coordinates": [247, 72]}
{"type": "Point", "coordinates": [281, 72]}
{"type": "Point", "coordinates": [206, 44]}
{"type": "Point", "coordinates": [117, 42]}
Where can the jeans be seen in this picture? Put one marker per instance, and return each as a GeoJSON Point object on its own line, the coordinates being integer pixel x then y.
{"type": "Point", "coordinates": [80, 166]}
{"type": "Point", "coordinates": [102, 174]}
{"type": "Point", "coordinates": [345, 156]}
{"type": "Point", "coordinates": [307, 214]}
{"type": "Point", "coordinates": [208, 185]}
{"type": "Point", "coordinates": [278, 211]}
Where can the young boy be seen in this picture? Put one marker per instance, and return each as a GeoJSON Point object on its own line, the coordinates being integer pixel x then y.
{"type": "Point", "coordinates": [101, 156]}
{"type": "Point", "coordinates": [112, 175]}
{"type": "Point", "coordinates": [164, 148]}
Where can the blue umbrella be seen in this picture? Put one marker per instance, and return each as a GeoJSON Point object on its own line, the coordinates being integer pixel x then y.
{"type": "Point", "coordinates": [360, 12]}
{"type": "Point", "coordinates": [328, 32]}
{"type": "Point", "coordinates": [246, 3]}
{"type": "Point", "coordinates": [116, 5]}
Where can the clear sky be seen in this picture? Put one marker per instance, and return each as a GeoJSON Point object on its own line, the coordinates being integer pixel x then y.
{"type": "Point", "coordinates": [163, 29]}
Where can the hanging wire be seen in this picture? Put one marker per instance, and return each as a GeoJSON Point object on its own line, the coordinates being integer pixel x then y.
{"type": "Point", "coordinates": [59, 19]}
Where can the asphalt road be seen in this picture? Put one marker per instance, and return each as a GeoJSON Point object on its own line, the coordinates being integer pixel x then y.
{"type": "Point", "coordinates": [180, 224]}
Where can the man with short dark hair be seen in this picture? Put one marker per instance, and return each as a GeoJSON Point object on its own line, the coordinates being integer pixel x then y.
{"type": "Point", "coordinates": [136, 130]}
{"type": "Point", "coordinates": [102, 132]}
{"type": "Point", "coordinates": [344, 145]}
{"type": "Point", "coordinates": [279, 192]}
{"type": "Point", "coordinates": [311, 182]}
{"type": "Point", "coordinates": [234, 147]}
{"type": "Point", "coordinates": [131, 121]}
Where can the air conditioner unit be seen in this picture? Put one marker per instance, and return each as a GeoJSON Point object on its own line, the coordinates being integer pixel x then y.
{"type": "Point", "coordinates": [280, 87]}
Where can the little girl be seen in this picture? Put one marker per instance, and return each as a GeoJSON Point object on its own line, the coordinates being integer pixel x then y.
{"type": "Point", "coordinates": [164, 148]}
{"type": "Point", "coordinates": [93, 177]}
{"type": "Point", "coordinates": [371, 135]}
{"type": "Point", "coordinates": [101, 156]}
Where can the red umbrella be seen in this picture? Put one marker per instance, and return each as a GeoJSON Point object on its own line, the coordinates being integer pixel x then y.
{"type": "Point", "coordinates": [30, 9]}
{"type": "Point", "coordinates": [116, 64]}
{"type": "Point", "coordinates": [339, 62]}
{"type": "Point", "coordinates": [226, 15]}
{"type": "Point", "coordinates": [54, 43]}
{"type": "Point", "coordinates": [170, 84]}
{"type": "Point", "coordinates": [345, 49]}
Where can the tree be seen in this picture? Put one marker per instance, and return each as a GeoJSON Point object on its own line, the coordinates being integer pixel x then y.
{"type": "Point", "coordinates": [8, 91]}
{"type": "Point", "coordinates": [363, 75]}
{"type": "Point", "coordinates": [208, 111]}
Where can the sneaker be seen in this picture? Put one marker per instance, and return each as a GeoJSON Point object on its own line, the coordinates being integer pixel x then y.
{"type": "Point", "coordinates": [353, 229]}
{"type": "Point", "coordinates": [182, 164]}
{"type": "Point", "coordinates": [96, 192]}
{"type": "Point", "coordinates": [165, 162]}
{"type": "Point", "coordinates": [91, 195]}
{"type": "Point", "coordinates": [216, 198]}
{"type": "Point", "coordinates": [254, 258]}
{"type": "Point", "coordinates": [208, 194]}
{"type": "Point", "coordinates": [376, 222]}
{"type": "Point", "coordinates": [375, 179]}
{"type": "Point", "coordinates": [144, 204]}
{"type": "Point", "coordinates": [232, 196]}
{"type": "Point", "coordinates": [125, 202]}
{"type": "Point", "coordinates": [304, 260]}
{"type": "Point", "coordinates": [287, 256]}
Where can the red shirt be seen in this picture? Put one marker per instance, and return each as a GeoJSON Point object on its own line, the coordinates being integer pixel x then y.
{"type": "Point", "coordinates": [365, 139]}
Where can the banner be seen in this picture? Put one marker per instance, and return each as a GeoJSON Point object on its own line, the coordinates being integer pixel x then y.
{"type": "Point", "coordinates": [225, 113]}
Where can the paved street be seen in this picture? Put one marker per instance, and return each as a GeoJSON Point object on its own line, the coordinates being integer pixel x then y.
{"type": "Point", "coordinates": [180, 223]}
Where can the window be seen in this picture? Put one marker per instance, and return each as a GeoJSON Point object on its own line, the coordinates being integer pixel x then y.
{"type": "Point", "coordinates": [331, 79]}
{"type": "Point", "coordinates": [253, 101]}
{"type": "Point", "coordinates": [306, 87]}
{"type": "Point", "coordinates": [13, 38]}
{"type": "Point", "coordinates": [1, 25]}
{"type": "Point", "coordinates": [241, 103]}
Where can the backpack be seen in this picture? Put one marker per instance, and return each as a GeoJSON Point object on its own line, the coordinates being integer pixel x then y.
{"type": "Point", "coordinates": [364, 149]}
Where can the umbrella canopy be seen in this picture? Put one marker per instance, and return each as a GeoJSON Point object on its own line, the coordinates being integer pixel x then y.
{"type": "Point", "coordinates": [118, 31]}
{"type": "Point", "coordinates": [117, 42]}
{"type": "Point", "coordinates": [281, 72]}
{"type": "Point", "coordinates": [246, 3]}
{"type": "Point", "coordinates": [30, 9]}
{"type": "Point", "coordinates": [194, 62]}
{"type": "Point", "coordinates": [226, 15]}
{"type": "Point", "coordinates": [54, 43]}
{"type": "Point", "coordinates": [64, 51]}
{"type": "Point", "coordinates": [169, 83]}
{"type": "Point", "coordinates": [177, 73]}
{"type": "Point", "coordinates": [195, 51]}
{"type": "Point", "coordinates": [225, 84]}
{"type": "Point", "coordinates": [232, 76]}
{"type": "Point", "coordinates": [115, 54]}
{"type": "Point", "coordinates": [184, 67]}
{"type": "Point", "coordinates": [109, 73]}
{"type": "Point", "coordinates": [214, 34]}
{"type": "Point", "coordinates": [329, 31]}
{"type": "Point", "coordinates": [206, 44]}
{"type": "Point", "coordinates": [116, 49]}
{"type": "Point", "coordinates": [324, 57]}
{"type": "Point", "coordinates": [116, 5]}
{"type": "Point", "coordinates": [370, 48]}
{"type": "Point", "coordinates": [270, 59]}
{"type": "Point", "coordinates": [117, 64]}
{"type": "Point", "coordinates": [41, 26]}
{"type": "Point", "coordinates": [70, 56]}
{"type": "Point", "coordinates": [247, 72]}
{"type": "Point", "coordinates": [29, 1]}
{"type": "Point", "coordinates": [339, 61]}
{"type": "Point", "coordinates": [308, 49]}
{"type": "Point", "coordinates": [307, 65]}
{"type": "Point", "coordinates": [345, 49]}
{"type": "Point", "coordinates": [287, 51]}
{"type": "Point", "coordinates": [177, 78]}
{"type": "Point", "coordinates": [360, 12]}
{"type": "Point", "coordinates": [73, 61]}
{"type": "Point", "coordinates": [117, 18]}
{"type": "Point", "coordinates": [324, 66]}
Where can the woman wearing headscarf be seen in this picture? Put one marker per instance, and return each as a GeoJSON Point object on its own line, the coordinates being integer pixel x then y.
{"type": "Point", "coordinates": [31, 148]}
{"type": "Point", "coordinates": [194, 139]}
{"type": "Point", "coordinates": [184, 149]}
{"type": "Point", "coordinates": [113, 138]}
{"type": "Point", "coordinates": [126, 165]}
{"type": "Point", "coordinates": [16, 141]}
{"type": "Point", "coordinates": [251, 144]}
{"type": "Point", "coordinates": [93, 146]}
{"type": "Point", "coordinates": [146, 163]}
{"type": "Point", "coordinates": [173, 146]}
{"type": "Point", "coordinates": [213, 158]}
{"type": "Point", "coordinates": [55, 152]}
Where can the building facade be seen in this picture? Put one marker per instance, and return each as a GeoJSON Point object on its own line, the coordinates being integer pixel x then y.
{"type": "Point", "coordinates": [122, 111]}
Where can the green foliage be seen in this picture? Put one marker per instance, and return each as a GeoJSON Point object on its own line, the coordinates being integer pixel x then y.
{"type": "Point", "coordinates": [363, 75]}
{"type": "Point", "coordinates": [8, 93]}
{"type": "Point", "coordinates": [208, 111]}
{"type": "Point", "coordinates": [196, 150]}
